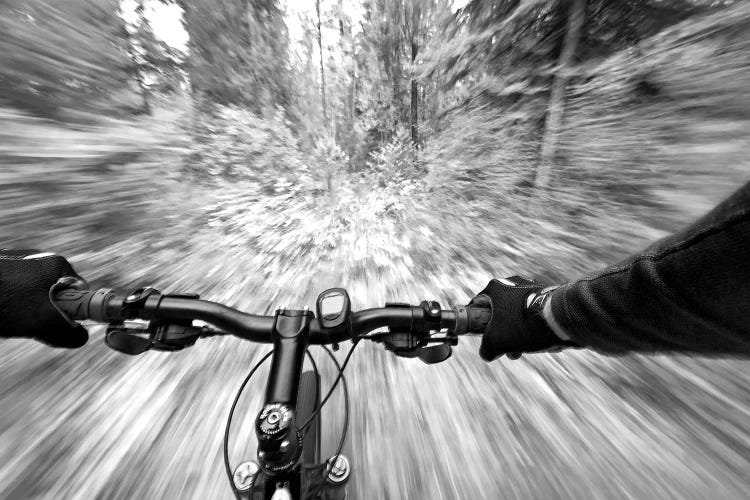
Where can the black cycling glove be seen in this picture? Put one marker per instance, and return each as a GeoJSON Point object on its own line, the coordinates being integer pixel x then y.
{"type": "Point", "coordinates": [26, 277]}
{"type": "Point", "coordinates": [517, 325]}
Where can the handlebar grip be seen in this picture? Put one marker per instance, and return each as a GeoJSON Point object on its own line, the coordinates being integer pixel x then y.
{"type": "Point", "coordinates": [97, 305]}
{"type": "Point", "coordinates": [74, 303]}
{"type": "Point", "coordinates": [479, 317]}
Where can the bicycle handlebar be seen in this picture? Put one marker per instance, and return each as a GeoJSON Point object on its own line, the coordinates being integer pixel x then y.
{"type": "Point", "coordinates": [105, 305]}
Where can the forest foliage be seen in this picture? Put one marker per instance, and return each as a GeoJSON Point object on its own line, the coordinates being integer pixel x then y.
{"type": "Point", "coordinates": [420, 113]}
{"type": "Point", "coordinates": [443, 111]}
{"type": "Point", "coordinates": [546, 115]}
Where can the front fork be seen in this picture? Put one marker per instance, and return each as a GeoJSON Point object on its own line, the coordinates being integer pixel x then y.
{"type": "Point", "coordinates": [249, 478]}
{"type": "Point", "coordinates": [339, 473]}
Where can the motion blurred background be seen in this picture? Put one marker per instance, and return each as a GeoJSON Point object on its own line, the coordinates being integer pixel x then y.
{"type": "Point", "coordinates": [260, 151]}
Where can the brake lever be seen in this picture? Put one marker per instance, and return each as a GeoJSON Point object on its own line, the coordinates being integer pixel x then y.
{"type": "Point", "coordinates": [161, 337]}
{"type": "Point", "coordinates": [435, 354]}
{"type": "Point", "coordinates": [407, 345]}
{"type": "Point", "coordinates": [399, 343]}
{"type": "Point", "coordinates": [127, 340]}
{"type": "Point", "coordinates": [429, 355]}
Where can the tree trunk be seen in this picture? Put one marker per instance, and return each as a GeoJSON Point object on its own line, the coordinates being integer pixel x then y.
{"type": "Point", "coordinates": [322, 71]}
{"type": "Point", "coordinates": [352, 100]}
{"type": "Point", "coordinates": [553, 122]}
{"type": "Point", "coordinates": [139, 77]}
{"type": "Point", "coordinates": [348, 49]}
{"type": "Point", "coordinates": [414, 100]}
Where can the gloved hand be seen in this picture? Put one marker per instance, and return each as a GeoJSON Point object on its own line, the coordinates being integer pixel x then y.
{"type": "Point", "coordinates": [517, 325]}
{"type": "Point", "coordinates": [25, 309]}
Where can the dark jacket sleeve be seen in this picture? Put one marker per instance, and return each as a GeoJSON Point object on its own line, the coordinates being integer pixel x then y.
{"type": "Point", "coordinates": [689, 292]}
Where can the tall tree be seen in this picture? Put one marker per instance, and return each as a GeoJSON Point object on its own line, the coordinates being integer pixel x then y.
{"type": "Point", "coordinates": [156, 67]}
{"type": "Point", "coordinates": [306, 78]}
{"type": "Point", "coordinates": [345, 130]}
{"type": "Point", "coordinates": [556, 108]}
{"type": "Point", "coordinates": [384, 32]}
{"type": "Point", "coordinates": [57, 56]}
{"type": "Point", "coordinates": [238, 51]}
{"type": "Point", "coordinates": [322, 70]}
{"type": "Point", "coordinates": [412, 28]}
{"type": "Point", "coordinates": [140, 36]}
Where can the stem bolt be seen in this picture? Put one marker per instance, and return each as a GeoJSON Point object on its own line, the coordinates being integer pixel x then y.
{"type": "Point", "coordinates": [244, 475]}
{"type": "Point", "coordinates": [338, 469]}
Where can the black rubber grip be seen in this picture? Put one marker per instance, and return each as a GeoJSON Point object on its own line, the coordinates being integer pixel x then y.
{"type": "Point", "coordinates": [96, 305]}
{"type": "Point", "coordinates": [74, 303]}
{"type": "Point", "coordinates": [478, 318]}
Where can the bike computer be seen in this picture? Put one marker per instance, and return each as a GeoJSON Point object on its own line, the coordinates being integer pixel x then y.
{"type": "Point", "coordinates": [333, 308]}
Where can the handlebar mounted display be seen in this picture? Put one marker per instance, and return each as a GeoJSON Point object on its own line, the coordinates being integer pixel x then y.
{"type": "Point", "coordinates": [334, 309]}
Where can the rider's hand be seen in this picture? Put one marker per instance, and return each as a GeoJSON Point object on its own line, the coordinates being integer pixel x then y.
{"type": "Point", "coordinates": [517, 325]}
{"type": "Point", "coordinates": [26, 277]}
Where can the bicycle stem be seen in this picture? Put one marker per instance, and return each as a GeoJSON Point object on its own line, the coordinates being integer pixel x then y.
{"type": "Point", "coordinates": [279, 441]}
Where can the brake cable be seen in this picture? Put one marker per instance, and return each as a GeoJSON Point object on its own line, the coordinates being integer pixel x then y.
{"type": "Point", "coordinates": [341, 368]}
{"type": "Point", "coordinates": [229, 422]}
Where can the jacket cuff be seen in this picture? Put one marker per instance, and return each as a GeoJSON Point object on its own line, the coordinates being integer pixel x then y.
{"type": "Point", "coordinates": [549, 317]}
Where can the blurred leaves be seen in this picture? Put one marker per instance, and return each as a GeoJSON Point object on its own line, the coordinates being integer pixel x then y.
{"type": "Point", "coordinates": [47, 63]}
{"type": "Point", "coordinates": [232, 141]}
{"type": "Point", "coordinates": [238, 52]}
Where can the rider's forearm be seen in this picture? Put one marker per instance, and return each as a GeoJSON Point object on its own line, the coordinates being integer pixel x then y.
{"type": "Point", "coordinates": [689, 292]}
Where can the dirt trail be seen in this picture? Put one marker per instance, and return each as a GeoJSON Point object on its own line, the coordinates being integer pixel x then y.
{"type": "Point", "coordinates": [93, 424]}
